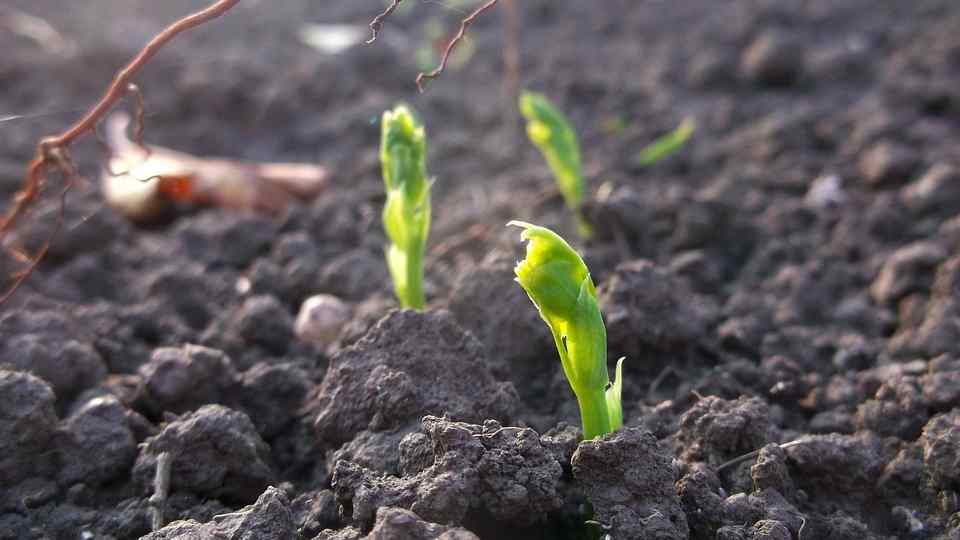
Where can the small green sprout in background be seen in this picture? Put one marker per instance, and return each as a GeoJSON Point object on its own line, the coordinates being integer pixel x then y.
{"type": "Point", "coordinates": [554, 135]}
{"type": "Point", "coordinates": [668, 144]}
{"type": "Point", "coordinates": [558, 282]}
{"type": "Point", "coordinates": [406, 214]}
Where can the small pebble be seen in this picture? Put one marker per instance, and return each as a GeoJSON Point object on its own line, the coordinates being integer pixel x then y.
{"type": "Point", "coordinates": [321, 318]}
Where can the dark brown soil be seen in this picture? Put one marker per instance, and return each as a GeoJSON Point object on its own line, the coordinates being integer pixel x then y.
{"type": "Point", "coordinates": [787, 284]}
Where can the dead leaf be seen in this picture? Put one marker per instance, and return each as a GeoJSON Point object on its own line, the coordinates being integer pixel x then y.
{"type": "Point", "coordinates": [142, 181]}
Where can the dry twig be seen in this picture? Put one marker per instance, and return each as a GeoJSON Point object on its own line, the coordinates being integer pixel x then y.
{"type": "Point", "coordinates": [161, 489]}
{"type": "Point", "coordinates": [452, 44]}
{"type": "Point", "coordinates": [376, 25]}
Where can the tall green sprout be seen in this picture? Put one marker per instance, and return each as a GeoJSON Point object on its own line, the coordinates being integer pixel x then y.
{"type": "Point", "coordinates": [558, 282]}
{"type": "Point", "coordinates": [554, 135]}
{"type": "Point", "coordinates": [406, 215]}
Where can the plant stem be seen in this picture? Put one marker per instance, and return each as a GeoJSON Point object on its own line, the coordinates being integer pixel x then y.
{"type": "Point", "coordinates": [414, 271]}
{"type": "Point", "coordinates": [593, 414]}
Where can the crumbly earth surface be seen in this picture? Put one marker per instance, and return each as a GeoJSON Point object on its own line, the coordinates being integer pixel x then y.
{"type": "Point", "coordinates": [785, 288]}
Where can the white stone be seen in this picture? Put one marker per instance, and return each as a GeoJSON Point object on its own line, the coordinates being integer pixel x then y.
{"type": "Point", "coordinates": [320, 319]}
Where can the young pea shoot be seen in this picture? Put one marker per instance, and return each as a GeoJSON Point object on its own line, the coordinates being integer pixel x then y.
{"type": "Point", "coordinates": [554, 135]}
{"type": "Point", "coordinates": [406, 214]}
{"type": "Point", "coordinates": [558, 282]}
{"type": "Point", "coordinates": [668, 144]}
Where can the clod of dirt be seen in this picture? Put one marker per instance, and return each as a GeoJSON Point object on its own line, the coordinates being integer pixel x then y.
{"type": "Point", "coordinates": [652, 317]}
{"type": "Point", "coordinates": [851, 464]}
{"type": "Point", "coordinates": [939, 329]}
{"type": "Point", "coordinates": [27, 424]}
{"type": "Point", "coordinates": [513, 334]}
{"type": "Point", "coordinates": [504, 471]}
{"type": "Point", "coordinates": [189, 291]}
{"type": "Point", "coordinates": [321, 318]}
{"type": "Point", "coordinates": [836, 526]}
{"type": "Point", "coordinates": [375, 450]}
{"type": "Point", "coordinates": [700, 496]}
{"type": "Point", "coordinates": [909, 269]}
{"type": "Point", "coordinates": [272, 396]}
{"type": "Point", "coordinates": [716, 430]}
{"type": "Point", "coordinates": [769, 529]}
{"type": "Point", "coordinates": [265, 322]}
{"type": "Point", "coordinates": [562, 442]}
{"type": "Point", "coordinates": [622, 213]}
{"type": "Point", "coordinates": [68, 365]}
{"type": "Point", "coordinates": [770, 471]}
{"type": "Point", "coordinates": [315, 511]}
{"type": "Point", "coordinates": [269, 518]}
{"type": "Point", "coordinates": [887, 163]}
{"type": "Point", "coordinates": [180, 379]}
{"type": "Point", "coordinates": [936, 192]}
{"type": "Point", "coordinates": [941, 450]}
{"type": "Point", "coordinates": [941, 387]}
{"type": "Point", "coordinates": [395, 523]}
{"type": "Point", "coordinates": [351, 275]}
{"type": "Point", "coordinates": [629, 478]}
{"type": "Point", "coordinates": [366, 315]}
{"type": "Point", "coordinates": [346, 533]}
{"type": "Point", "coordinates": [741, 508]}
{"type": "Point", "coordinates": [733, 532]}
{"type": "Point", "coordinates": [711, 67]}
{"type": "Point", "coordinates": [223, 238]}
{"type": "Point", "coordinates": [416, 453]}
{"type": "Point", "coordinates": [410, 364]}
{"type": "Point", "coordinates": [898, 409]}
{"type": "Point", "coordinates": [776, 507]}
{"type": "Point", "coordinates": [709, 513]}
{"type": "Point", "coordinates": [216, 453]}
{"type": "Point", "coordinates": [96, 444]}
{"type": "Point", "coordinates": [773, 59]}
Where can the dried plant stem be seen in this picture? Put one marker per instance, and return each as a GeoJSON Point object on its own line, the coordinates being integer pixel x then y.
{"type": "Point", "coordinates": [161, 489]}
{"type": "Point", "coordinates": [376, 25]}
{"type": "Point", "coordinates": [422, 78]}
{"type": "Point", "coordinates": [756, 453]}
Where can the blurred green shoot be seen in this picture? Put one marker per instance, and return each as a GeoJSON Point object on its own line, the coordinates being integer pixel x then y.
{"type": "Point", "coordinates": [558, 282]}
{"type": "Point", "coordinates": [406, 214]}
{"type": "Point", "coordinates": [668, 144]}
{"type": "Point", "coordinates": [554, 135]}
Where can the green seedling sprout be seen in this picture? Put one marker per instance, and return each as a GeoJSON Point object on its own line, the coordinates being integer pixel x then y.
{"type": "Point", "coordinates": [406, 214]}
{"type": "Point", "coordinates": [554, 135]}
{"type": "Point", "coordinates": [558, 282]}
{"type": "Point", "coordinates": [668, 144]}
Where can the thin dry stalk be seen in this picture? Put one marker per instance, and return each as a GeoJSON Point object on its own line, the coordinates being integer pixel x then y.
{"type": "Point", "coordinates": [376, 25]}
{"type": "Point", "coordinates": [465, 24]}
{"type": "Point", "coordinates": [161, 490]}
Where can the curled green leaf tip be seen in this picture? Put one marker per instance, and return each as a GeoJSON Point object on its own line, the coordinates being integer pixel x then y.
{"type": "Point", "coordinates": [558, 283]}
{"type": "Point", "coordinates": [406, 214]}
